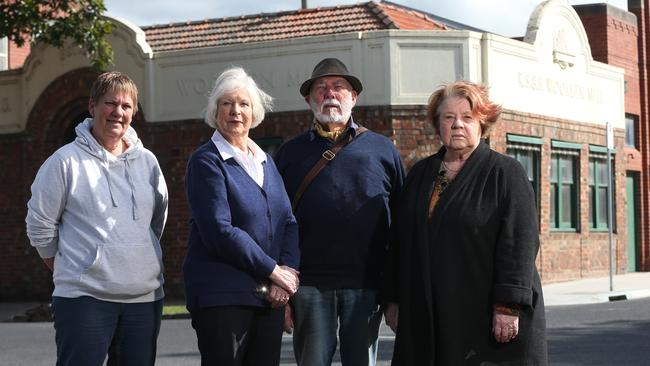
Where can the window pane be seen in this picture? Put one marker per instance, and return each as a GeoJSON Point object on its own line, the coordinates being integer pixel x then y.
{"type": "Point", "coordinates": [530, 164]}
{"type": "Point", "coordinates": [591, 172]}
{"type": "Point", "coordinates": [630, 123]}
{"type": "Point", "coordinates": [602, 206]}
{"type": "Point", "coordinates": [602, 173]}
{"type": "Point", "coordinates": [592, 203]}
{"type": "Point", "coordinates": [566, 169]}
{"type": "Point", "coordinates": [554, 162]}
{"type": "Point", "coordinates": [523, 159]}
{"type": "Point", "coordinates": [566, 204]}
{"type": "Point", "coordinates": [553, 206]}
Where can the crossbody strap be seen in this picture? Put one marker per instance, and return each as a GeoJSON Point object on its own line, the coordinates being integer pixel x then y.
{"type": "Point", "coordinates": [326, 157]}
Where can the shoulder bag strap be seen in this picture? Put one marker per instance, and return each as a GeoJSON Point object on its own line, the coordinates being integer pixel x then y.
{"type": "Point", "coordinates": [327, 156]}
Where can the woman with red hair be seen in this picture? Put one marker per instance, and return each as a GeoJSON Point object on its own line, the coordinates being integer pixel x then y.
{"type": "Point", "coordinates": [462, 287]}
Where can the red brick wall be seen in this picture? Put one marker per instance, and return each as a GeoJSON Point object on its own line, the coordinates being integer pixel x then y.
{"type": "Point", "coordinates": [641, 9]}
{"type": "Point", "coordinates": [614, 41]}
{"type": "Point", "coordinates": [619, 39]}
{"type": "Point", "coordinates": [17, 55]}
{"type": "Point", "coordinates": [570, 255]}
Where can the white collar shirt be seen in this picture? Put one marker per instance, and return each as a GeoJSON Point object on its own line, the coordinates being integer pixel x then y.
{"type": "Point", "coordinates": [252, 161]}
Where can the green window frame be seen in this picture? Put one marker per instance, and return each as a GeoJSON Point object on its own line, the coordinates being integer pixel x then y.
{"type": "Point", "coordinates": [599, 189]}
{"type": "Point", "coordinates": [527, 151]}
{"type": "Point", "coordinates": [565, 157]}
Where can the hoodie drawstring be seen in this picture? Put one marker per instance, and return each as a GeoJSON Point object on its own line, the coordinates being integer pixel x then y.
{"type": "Point", "coordinates": [87, 141]}
{"type": "Point", "coordinates": [108, 178]}
{"type": "Point", "coordinates": [134, 203]}
{"type": "Point", "coordinates": [129, 178]}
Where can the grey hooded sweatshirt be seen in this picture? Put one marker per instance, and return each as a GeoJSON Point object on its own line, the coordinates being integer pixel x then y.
{"type": "Point", "coordinates": [101, 217]}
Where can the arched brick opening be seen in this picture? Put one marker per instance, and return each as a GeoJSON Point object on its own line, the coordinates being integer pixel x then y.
{"type": "Point", "coordinates": [63, 99]}
{"type": "Point", "coordinates": [57, 111]}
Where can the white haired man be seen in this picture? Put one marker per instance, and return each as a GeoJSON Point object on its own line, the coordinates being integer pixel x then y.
{"type": "Point", "coordinates": [342, 180]}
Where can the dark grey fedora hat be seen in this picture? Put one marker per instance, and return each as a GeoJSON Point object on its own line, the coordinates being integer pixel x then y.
{"type": "Point", "coordinates": [331, 67]}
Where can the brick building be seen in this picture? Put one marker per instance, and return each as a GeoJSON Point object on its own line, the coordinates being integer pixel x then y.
{"type": "Point", "coordinates": [575, 69]}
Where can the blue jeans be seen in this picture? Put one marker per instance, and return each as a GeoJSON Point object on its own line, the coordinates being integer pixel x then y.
{"type": "Point", "coordinates": [319, 313]}
{"type": "Point", "coordinates": [88, 329]}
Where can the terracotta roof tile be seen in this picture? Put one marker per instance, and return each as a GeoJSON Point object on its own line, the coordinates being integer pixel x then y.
{"type": "Point", "coordinates": [408, 19]}
{"type": "Point", "coordinates": [262, 27]}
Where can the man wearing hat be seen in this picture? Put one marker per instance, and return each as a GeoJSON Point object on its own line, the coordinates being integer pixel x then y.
{"type": "Point", "coordinates": [342, 180]}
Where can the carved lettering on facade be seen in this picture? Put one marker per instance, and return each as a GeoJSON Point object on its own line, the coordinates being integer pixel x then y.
{"type": "Point", "coordinates": [264, 80]}
{"type": "Point", "coordinates": [193, 87]}
{"type": "Point", "coordinates": [595, 95]}
{"type": "Point", "coordinates": [563, 88]}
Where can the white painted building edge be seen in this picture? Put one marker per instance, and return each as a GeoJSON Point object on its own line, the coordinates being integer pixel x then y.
{"type": "Point", "coordinates": [396, 68]}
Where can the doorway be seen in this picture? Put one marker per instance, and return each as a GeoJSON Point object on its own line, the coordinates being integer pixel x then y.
{"type": "Point", "coordinates": [632, 187]}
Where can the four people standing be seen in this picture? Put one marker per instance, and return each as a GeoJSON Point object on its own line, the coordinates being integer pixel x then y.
{"type": "Point", "coordinates": [461, 283]}
{"type": "Point", "coordinates": [343, 214]}
{"type": "Point", "coordinates": [96, 215]}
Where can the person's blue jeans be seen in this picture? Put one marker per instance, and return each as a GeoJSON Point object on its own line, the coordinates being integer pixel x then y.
{"type": "Point", "coordinates": [88, 329]}
{"type": "Point", "coordinates": [319, 313]}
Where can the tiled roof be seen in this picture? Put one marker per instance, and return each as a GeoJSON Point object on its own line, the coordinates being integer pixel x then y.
{"type": "Point", "coordinates": [262, 27]}
{"type": "Point", "coordinates": [407, 19]}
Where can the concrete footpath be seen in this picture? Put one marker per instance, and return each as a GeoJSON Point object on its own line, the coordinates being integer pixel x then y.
{"type": "Point", "coordinates": [586, 291]}
{"type": "Point", "coordinates": [627, 286]}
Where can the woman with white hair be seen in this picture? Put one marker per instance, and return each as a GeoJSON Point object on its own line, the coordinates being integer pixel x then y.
{"type": "Point", "coordinates": [243, 247]}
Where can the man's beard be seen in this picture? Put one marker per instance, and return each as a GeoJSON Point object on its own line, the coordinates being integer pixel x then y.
{"type": "Point", "coordinates": [333, 116]}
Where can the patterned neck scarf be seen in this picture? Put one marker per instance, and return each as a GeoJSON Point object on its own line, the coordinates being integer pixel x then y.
{"type": "Point", "coordinates": [331, 135]}
{"type": "Point", "coordinates": [440, 184]}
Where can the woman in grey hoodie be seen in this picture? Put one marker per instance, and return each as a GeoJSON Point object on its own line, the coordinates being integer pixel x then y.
{"type": "Point", "coordinates": [96, 215]}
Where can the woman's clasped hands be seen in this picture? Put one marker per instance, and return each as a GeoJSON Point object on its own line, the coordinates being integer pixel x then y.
{"type": "Point", "coordinates": [284, 283]}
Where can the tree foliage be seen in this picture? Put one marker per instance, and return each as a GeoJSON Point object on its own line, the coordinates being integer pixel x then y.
{"type": "Point", "coordinates": [55, 21]}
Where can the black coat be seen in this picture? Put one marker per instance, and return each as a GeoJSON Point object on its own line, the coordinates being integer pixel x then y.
{"type": "Point", "coordinates": [479, 249]}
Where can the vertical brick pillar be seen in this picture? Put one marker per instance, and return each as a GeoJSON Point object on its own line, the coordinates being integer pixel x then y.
{"type": "Point", "coordinates": [640, 9]}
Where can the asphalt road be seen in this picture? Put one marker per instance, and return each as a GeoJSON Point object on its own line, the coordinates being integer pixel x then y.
{"type": "Point", "coordinates": [608, 334]}
{"type": "Point", "coordinates": [615, 333]}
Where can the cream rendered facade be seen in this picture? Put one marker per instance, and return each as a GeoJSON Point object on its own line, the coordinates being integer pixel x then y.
{"type": "Point", "coordinates": [550, 73]}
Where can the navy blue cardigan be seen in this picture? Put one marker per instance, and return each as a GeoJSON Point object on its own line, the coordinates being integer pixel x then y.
{"type": "Point", "coordinates": [344, 215]}
{"type": "Point", "coordinates": [239, 231]}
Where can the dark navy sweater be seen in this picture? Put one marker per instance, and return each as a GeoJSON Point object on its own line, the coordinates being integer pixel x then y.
{"type": "Point", "coordinates": [344, 215]}
{"type": "Point", "coordinates": [239, 232]}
